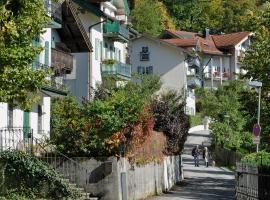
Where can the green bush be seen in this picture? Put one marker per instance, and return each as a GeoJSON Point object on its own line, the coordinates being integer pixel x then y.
{"type": "Point", "coordinates": [108, 124]}
{"type": "Point", "coordinates": [26, 176]}
{"type": "Point", "coordinates": [261, 158]}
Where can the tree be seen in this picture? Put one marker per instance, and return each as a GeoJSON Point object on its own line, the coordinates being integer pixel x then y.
{"type": "Point", "coordinates": [151, 16]}
{"type": "Point", "coordinates": [226, 109]}
{"type": "Point", "coordinates": [218, 15]}
{"type": "Point", "coordinates": [20, 22]}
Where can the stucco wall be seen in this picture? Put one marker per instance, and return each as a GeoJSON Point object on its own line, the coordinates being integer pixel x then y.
{"type": "Point", "coordinates": [166, 61]}
{"type": "Point", "coordinates": [105, 177]}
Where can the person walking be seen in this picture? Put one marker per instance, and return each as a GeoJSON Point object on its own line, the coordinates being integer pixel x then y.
{"type": "Point", "coordinates": [206, 156]}
{"type": "Point", "coordinates": [195, 154]}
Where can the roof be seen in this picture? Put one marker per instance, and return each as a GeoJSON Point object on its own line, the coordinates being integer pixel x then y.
{"type": "Point", "coordinates": [204, 45]}
{"type": "Point", "coordinates": [229, 40]}
{"type": "Point", "coordinates": [214, 44]}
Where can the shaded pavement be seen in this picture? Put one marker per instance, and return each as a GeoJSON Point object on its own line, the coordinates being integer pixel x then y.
{"type": "Point", "coordinates": [208, 183]}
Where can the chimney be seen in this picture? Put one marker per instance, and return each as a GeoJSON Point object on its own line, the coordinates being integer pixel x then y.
{"type": "Point", "coordinates": [207, 30]}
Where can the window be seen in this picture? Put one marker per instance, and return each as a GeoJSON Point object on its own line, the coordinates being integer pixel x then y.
{"type": "Point", "coordinates": [106, 50]}
{"type": "Point", "coordinates": [145, 70]}
{"type": "Point", "coordinates": [39, 119]}
{"type": "Point", "coordinates": [144, 54]}
{"type": "Point", "coordinates": [10, 116]}
{"type": "Point", "coordinates": [101, 50]}
{"type": "Point", "coordinates": [119, 55]}
{"type": "Point", "coordinates": [111, 52]}
{"type": "Point", "coordinates": [97, 49]}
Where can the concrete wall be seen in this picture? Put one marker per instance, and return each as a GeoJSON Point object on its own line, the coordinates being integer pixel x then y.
{"type": "Point", "coordinates": [117, 179]}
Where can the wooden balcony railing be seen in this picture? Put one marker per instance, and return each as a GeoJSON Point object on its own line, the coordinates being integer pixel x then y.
{"type": "Point", "coordinates": [62, 62]}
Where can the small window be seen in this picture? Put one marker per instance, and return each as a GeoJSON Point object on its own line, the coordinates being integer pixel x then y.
{"type": "Point", "coordinates": [144, 56]}
{"type": "Point", "coordinates": [10, 116]}
{"type": "Point", "coordinates": [145, 70]}
{"type": "Point", "coordinates": [141, 70]}
{"type": "Point", "coordinates": [149, 70]}
{"type": "Point", "coordinates": [144, 49]}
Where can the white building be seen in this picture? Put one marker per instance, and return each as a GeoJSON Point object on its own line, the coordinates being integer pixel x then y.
{"type": "Point", "coordinates": [151, 55]}
{"type": "Point", "coordinates": [221, 54]}
{"type": "Point", "coordinates": [105, 25]}
{"type": "Point", "coordinates": [18, 127]}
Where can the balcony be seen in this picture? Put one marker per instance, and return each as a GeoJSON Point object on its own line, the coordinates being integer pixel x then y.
{"type": "Point", "coordinates": [54, 83]}
{"type": "Point", "coordinates": [62, 62]}
{"type": "Point", "coordinates": [121, 70]}
{"type": "Point", "coordinates": [54, 10]}
{"type": "Point", "coordinates": [116, 31]}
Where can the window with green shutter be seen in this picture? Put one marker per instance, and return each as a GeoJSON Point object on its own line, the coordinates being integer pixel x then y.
{"type": "Point", "coordinates": [119, 55]}
{"type": "Point", "coordinates": [36, 43]}
{"type": "Point", "coordinates": [101, 50]}
{"type": "Point", "coordinates": [46, 57]}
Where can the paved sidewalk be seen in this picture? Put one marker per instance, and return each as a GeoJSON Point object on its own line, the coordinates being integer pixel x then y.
{"type": "Point", "coordinates": [201, 183]}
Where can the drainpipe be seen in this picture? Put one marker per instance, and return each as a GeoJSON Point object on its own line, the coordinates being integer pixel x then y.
{"type": "Point", "coordinates": [90, 67]}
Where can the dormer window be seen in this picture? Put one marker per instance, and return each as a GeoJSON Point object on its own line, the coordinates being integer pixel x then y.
{"type": "Point", "coordinates": [144, 54]}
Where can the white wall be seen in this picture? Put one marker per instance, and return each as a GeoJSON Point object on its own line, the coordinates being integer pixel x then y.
{"type": "Point", "coordinates": [166, 61]}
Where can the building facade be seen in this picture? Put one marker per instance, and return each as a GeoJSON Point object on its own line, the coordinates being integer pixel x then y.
{"type": "Point", "coordinates": [220, 55]}
{"type": "Point", "coordinates": [151, 55]}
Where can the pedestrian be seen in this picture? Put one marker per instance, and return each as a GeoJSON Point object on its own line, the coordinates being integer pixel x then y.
{"type": "Point", "coordinates": [195, 154]}
{"type": "Point", "coordinates": [206, 156]}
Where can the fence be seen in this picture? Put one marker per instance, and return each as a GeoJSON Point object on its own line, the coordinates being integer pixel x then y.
{"type": "Point", "coordinates": [252, 182]}
{"type": "Point", "coordinates": [20, 138]}
{"type": "Point", "coordinates": [226, 157]}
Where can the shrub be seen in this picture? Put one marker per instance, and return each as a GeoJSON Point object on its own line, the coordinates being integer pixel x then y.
{"type": "Point", "coordinates": [170, 118]}
{"type": "Point", "coordinates": [26, 176]}
{"type": "Point", "coordinates": [261, 158]}
{"type": "Point", "coordinates": [110, 124]}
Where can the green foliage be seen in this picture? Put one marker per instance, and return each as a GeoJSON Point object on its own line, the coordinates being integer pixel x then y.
{"type": "Point", "coordinates": [261, 158]}
{"type": "Point", "coordinates": [219, 15]}
{"type": "Point", "coordinates": [20, 22]}
{"type": "Point", "coordinates": [28, 177]}
{"type": "Point", "coordinates": [171, 119]}
{"type": "Point", "coordinates": [150, 16]}
{"type": "Point", "coordinates": [226, 109]}
{"type": "Point", "coordinates": [196, 120]}
{"type": "Point", "coordinates": [257, 64]}
{"type": "Point", "coordinates": [107, 124]}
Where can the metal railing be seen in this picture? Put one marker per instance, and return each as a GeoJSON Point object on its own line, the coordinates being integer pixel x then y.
{"type": "Point", "coordinates": [68, 167]}
{"type": "Point", "coordinates": [20, 138]}
{"type": "Point", "coordinates": [121, 69]}
{"type": "Point", "coordinates": [55, 80]}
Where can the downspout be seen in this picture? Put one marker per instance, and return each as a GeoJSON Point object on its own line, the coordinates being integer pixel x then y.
{"type": "Point", "coordinates": [90, 69]}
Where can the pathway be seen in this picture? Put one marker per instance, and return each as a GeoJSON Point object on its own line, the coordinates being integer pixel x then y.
{"type": "Point", "coordinates": [201, 183]}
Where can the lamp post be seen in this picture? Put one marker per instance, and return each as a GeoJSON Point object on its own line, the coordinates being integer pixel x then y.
{"type": "Point", "coordinates": [258, 86]}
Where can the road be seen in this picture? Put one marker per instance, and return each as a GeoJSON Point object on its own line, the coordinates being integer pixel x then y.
{"type": "Point", "coordinates": [212, 183]}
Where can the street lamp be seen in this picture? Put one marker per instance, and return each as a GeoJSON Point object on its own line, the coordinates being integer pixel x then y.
{"type": "Point", "coordinates": [258, 86]}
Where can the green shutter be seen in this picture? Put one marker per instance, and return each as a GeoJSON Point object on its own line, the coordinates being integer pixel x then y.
{"type": "Point", "coordinates": [36, 43]}
{"type": "Point", "coordinates": [101, 50]}
{"type": "Point", "coordinates": [26, 124]}
{"type": "Point", "coordinates": [46, 57]}
{"type": "Point", "coordinates": [96, 48]}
